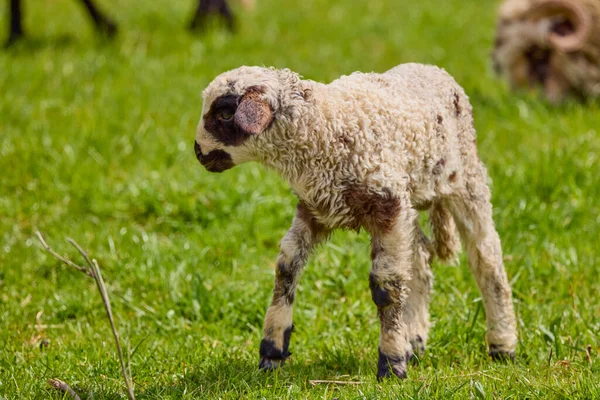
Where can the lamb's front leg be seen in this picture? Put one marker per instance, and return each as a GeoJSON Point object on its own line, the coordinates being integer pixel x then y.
{"type": "Point", "coordinates": [392, 255]}
{"type": "Point", "coordinates": [16, 23]}
{"type": "Point", "coordinates": [295, 248]}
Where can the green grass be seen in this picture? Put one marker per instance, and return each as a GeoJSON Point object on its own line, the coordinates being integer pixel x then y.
{"type": "Point", "coordinates": [96, 143]}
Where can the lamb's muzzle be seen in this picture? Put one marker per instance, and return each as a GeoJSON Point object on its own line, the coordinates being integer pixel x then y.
{"type": "Point", "coordinates": [214, 161]}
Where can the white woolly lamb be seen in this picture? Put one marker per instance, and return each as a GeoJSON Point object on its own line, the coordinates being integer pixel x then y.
{"type": "Point", "coordinates": [366, 151]}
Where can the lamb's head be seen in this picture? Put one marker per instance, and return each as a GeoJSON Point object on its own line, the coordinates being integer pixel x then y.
{"type": "Point", "coordinates": [239, 109]}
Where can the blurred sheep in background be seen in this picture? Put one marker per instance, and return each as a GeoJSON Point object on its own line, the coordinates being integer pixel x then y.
{"type": "Point", "coordinates": [552, 44]}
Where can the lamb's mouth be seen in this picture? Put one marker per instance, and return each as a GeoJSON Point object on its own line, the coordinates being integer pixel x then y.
{"type": "Point", "coordinates": [214, 161]}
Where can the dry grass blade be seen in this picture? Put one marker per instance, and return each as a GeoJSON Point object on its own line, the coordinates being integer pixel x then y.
{"type": "Point", "coordinates": [94, 272]}
{"type": "Point", "coordinates": [326, 382]}
{"type": "Point", "coordinates": [63, 387]}
{"type": "Point", "coordinates": [106, 301]}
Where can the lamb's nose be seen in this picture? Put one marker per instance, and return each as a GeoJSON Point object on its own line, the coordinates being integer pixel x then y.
{"type": "Point", "coordinates": [198, 151]}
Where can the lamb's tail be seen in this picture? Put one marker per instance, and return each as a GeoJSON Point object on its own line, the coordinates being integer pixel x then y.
{"type": "Point", "coordinates": [446, 240]}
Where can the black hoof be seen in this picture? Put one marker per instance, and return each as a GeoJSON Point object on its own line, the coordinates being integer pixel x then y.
{"type": "Point", "coordinates": [272, 357]}
{"type": "Point", "coordinates": [13, 38]}
{"type": "Point", "coordinates": [268, 364]}
{"type": "Point", "coordinates": [499, 354]}
{"type": "Point", "coordinates": [108, 28]}
{"type": "Point", "coordinates": [200, 23]}
{"type": "Point", "coordinates": [388, 366]}
{"type": "Point", "coordinates": [197, 24]}
{"type": "Point", "coordinates": [502, 356]}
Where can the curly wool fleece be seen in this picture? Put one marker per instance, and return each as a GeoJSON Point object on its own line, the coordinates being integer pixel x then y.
{"type": "Point", "coordinates": [405, 129]}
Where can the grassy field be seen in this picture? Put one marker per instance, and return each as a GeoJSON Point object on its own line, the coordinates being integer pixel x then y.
{"type": "Point", "coordinates": [96, 144]}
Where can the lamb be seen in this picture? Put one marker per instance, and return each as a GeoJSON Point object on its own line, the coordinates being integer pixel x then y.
{"type": "Point", "coordinates": [554, 44]}
{"type": "Point", "coordinates": [366, 151]}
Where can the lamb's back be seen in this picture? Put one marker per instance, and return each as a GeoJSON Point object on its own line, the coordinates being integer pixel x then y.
{"type": "Point", "coordinates": [411, 87]}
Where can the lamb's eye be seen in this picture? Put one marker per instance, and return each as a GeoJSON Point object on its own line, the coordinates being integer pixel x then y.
{"type": "Point", "coordinates": [225, 116]}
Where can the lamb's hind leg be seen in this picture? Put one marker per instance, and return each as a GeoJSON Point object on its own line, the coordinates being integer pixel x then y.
{"type": "Point", "coordinates": [472, 212]}
{"type": "Point", "coordinates": [102, 22]}
{"type": "Point", "coordinates": [416, 309]}
{"type": "Point", "coordinates": [295, 248]}
{"type": "Point", "coordinates": [392, 254]}
{"type": "Point", "coordinates": [203, 8]}
{"type": "Point", "coordinates": [226, 13]}
{"type": "Point", "coordinates": [207, 7]}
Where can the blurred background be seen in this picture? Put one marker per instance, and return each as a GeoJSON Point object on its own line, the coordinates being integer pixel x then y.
{"type": "Point", "coordinates": [96, 143]}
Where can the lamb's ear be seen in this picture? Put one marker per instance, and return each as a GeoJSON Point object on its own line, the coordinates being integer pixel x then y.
{"type": "Point", "coordinates": [253, 114]}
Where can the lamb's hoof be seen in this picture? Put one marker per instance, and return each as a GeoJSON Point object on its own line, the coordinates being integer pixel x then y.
{"type": "Point", "coordinates": [269, 364]}
{"type": "Point", "coordinates": [271, 356]}
{"type": "Point", "coordinates": [388, 366]}
{"type": "Point", "coordinates": [13, 38]}
{"type": "Point", "coordinates": [109, 28]}
{"type": "Point", "coordinates": [498, 353]}
{"type": "Point", "coordinates": [502, 356]}
{"type": "Point", "coordinates": [197, 24]}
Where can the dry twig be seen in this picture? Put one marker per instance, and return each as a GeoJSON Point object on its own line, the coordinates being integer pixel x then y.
{"type": "Point", "coordinates": [326, 382]}
{"type": "Point", "coordinates": [63, 387]}
{"type": "Point", "coordinates": [104, 294]}
{"type": "Point", "coordinates": [93, 270]}
{"type": "Point", "coordinates": [61, 258]}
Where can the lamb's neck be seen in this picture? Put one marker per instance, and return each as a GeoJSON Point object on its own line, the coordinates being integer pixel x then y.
{"type": "Point", "coordinates": [300, 146]}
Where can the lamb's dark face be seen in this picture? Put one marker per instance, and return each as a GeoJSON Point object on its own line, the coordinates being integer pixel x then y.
{"type": "Point", "coordinates": [235, 112]}
{"type": "Point", "coordinates": [219, 126]}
